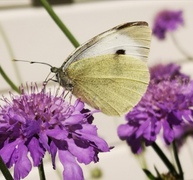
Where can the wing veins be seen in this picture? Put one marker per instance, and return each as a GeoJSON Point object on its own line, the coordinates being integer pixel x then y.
{"type": "Point", "coordinates": [97, 95]}
{"type": "Point", "coordinates": [124, 88]}
{"type": "Point", "coordinates": [101, 77]}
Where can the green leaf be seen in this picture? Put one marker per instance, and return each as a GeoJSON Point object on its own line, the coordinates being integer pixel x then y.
{"type": "Point", "coordinates": [157, 172]}
{"type": "Point", "coordinates": [149, 174]}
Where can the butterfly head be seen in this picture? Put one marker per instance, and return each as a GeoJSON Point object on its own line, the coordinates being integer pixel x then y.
{"type": "Point", "coordinates": [62, 78]}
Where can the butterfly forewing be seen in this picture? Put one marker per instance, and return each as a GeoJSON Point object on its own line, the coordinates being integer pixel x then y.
{"type": "Point", "coordinates": [133, 37]}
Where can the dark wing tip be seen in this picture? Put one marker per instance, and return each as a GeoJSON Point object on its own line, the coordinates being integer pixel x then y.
{"type": "Point", "coordinates": [129, 24]}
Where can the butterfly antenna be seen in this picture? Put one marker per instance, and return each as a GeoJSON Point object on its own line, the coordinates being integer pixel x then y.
{"type": "Point", "coordinates": [33, 62]}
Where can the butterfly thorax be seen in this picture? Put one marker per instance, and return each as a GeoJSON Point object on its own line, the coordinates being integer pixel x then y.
{"type": "Point", "coordinates": [62, 78]}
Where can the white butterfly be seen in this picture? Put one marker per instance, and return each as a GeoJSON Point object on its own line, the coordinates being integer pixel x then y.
{"type": "Point", "coordinates": [109, 72]}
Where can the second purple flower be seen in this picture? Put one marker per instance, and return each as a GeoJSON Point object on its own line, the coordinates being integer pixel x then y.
{"type": "Point", "coordinates": [165, 106]}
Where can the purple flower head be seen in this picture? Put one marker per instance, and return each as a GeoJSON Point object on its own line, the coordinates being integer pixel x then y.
{"type": "Point", "coordinates": [166, 20]}
{"type": "Point", "coordinates": [36, 122]}
{"type": "Point", "coordinates": [167, 72]}
{"type": "Point", "coordinates": [164, 107]}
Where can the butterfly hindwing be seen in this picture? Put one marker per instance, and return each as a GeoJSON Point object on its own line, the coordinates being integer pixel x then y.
{"type": "Point", "coordinates": [114, 84]}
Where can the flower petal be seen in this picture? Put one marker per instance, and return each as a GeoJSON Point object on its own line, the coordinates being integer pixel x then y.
{"type": "Point", "coordinates": [36, 151]}
{"type": "Point", "coordinates": [89, 132]}
{"type": "Point", "coordinates": [7, 152]}
{"type": "Point", "coordinates": [72, 171]}
{"type": "Point", "coordinates": [168, 132]}
{"type": "Point", "coordinates": [23, 165]}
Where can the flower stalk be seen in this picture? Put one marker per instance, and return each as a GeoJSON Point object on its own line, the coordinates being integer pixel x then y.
{"type": "Point", "coordinates": [165, 160]}
{"type": "Point", "coordinates": [181, 174]}
{"type": "Point", "coordinates": [41, 171]}
{"type": "Point", "coordinates": [60, 24]}
{"type": "Point", "coordinates": [5, 170]}
{"type": "Point", "coordinates": [10, 52]}
{"type": "Point", "coordinates": [8, 80]}
{"type": "Point", "coordinates": [177, 45]}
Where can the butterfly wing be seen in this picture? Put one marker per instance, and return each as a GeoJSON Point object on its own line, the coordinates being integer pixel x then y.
{"type": "Point", "coordinates": [133, 37]}
{"type": "Point", "coordinates": [110, 71]}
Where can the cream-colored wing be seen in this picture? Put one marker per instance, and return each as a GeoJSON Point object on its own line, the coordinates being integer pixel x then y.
{"type": "Point", "coordinates": [134, 38]}
{"type": "Point", "coordinates": [112, 83]}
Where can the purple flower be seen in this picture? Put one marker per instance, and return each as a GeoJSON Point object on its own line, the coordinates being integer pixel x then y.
{"type": "Point", "coordinates": [36, 122]}
{"type": "Point", "coordinates": [166, 20]}
{"type": "Point", "coordinates": [164, 107]}
{"type": "Point", "coordinates": [167, 72]}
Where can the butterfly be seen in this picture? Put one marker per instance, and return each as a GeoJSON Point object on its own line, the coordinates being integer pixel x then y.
{"type": "Point", "coordinates": [109, 72]}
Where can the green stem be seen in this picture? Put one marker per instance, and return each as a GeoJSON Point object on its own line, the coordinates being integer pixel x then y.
{"type": "Point", "coordinates": [8, 80]}
{"type": "Point", "coordinates": [60, 23]}
{"type": "Point", "coordinates": [41, 171]}
{"type": "Point", "coordinates": [165, 160]}
{"type": "Point", "coordinates": [10, 51]}
{"type": "Point", "coordinates": [180, 48]}
{"type": "Point", "coordinates": [141, 159]}
{"type": "Point", "coordinates": [4, 170]}
{"type": "Point", "coordinates": [177, 161]}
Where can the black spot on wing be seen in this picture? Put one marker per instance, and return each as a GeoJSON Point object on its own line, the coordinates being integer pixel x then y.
{"type": "Point", "coordinates": [120, 51]}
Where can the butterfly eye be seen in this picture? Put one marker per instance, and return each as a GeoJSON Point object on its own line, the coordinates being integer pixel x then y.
{"type": "Point", "coordinates": [54, 69]}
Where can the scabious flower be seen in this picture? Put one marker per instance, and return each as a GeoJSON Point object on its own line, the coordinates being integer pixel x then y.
{"type": "Point", "coordinates": [37, 121]}
{"type": "Point", "coordinates": [165, 21]}
{"type": "Point", "coordinates": [167, 72]}
{"type": "Point", "coordinates": [164, 107]}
